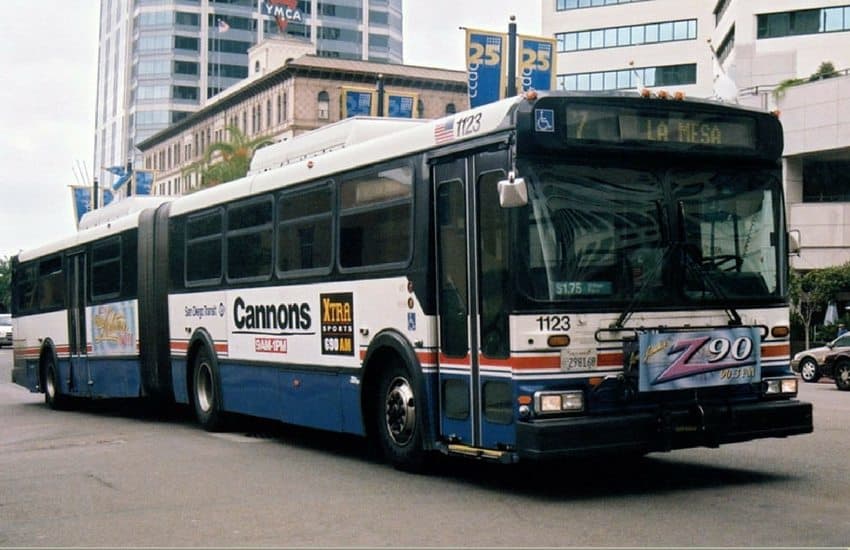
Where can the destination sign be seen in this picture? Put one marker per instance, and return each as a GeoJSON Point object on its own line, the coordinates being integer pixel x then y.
{"type": "Point", "coordinates": [608, 124]}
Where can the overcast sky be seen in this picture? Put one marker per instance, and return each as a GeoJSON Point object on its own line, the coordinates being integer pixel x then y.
{"type": "Point", "coordinates": [48, 59]}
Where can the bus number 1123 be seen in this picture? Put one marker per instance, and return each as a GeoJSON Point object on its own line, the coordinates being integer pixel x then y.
{"type": "Point", "coordinates": [551, 323]}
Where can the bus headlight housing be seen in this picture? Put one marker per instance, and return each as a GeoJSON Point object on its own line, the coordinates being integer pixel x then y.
{"type": "Point", "coordinates": [779, 386]}
{"type": "Point", "coordinates": [553, 402]}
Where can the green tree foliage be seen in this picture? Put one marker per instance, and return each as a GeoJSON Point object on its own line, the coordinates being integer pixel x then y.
{"type": "Point", "coordinates": [811, 292]}
{"type": "Point", "coordinates": [5, 284]}
{"type": "Point", "coordinates": [226, 161]}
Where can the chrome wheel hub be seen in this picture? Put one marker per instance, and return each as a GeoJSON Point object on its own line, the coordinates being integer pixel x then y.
{"type": "Point", "coordinates": [204, 387]}
{"type": "Point", "coordinates": [400, 411]}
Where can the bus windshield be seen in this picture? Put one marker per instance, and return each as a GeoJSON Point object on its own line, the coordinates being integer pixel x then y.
{"type": "Point", "coordinates": [686, 235]}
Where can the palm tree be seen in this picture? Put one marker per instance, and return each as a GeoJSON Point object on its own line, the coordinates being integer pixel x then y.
{"type": "Point", "coordinates": [226, 161]}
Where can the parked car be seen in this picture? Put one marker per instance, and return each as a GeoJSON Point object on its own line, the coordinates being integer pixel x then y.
{"type": "Point", "coordinates": [810, 362]}
{"type": "Point", "coordinates": [5, 329]}
{"type": "Point", "coordinates": [837, 365]}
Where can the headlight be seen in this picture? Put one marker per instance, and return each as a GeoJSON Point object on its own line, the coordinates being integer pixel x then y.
{"type": "Point", "coordinates": [558, 402]}
{"type": "Point", "coordinates": [779, 386]}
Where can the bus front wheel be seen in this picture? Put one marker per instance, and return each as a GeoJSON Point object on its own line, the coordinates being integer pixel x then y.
{"type": "Point", "coordinates": [207, 392]}
{"type": "Point", "coordinates": [399, 419]}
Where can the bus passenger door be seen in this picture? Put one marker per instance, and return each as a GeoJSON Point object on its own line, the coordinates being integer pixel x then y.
{"type": "Point", "coordinates": [458, 361]}
{"type": "Point", "coordinates": [78, 377]}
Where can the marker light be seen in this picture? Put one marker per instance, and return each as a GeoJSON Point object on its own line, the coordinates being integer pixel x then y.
{"type": "Point", "coordinates": [780, 331]}
{"type": "Point", "coordinates": [558, 341]}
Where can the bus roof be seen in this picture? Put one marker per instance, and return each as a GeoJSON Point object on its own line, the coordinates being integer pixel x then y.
{"type": "Point", "coordinates": [109, 220]}
{"type": "Point", "coordinates": [302, 158]}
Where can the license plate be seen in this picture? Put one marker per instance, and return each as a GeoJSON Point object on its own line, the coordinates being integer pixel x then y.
{"type": "Point", "coordinates": [572, 360]}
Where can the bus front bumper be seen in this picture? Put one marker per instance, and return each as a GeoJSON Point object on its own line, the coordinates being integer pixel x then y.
{"type": "Point", "coordinates": [662, 430]}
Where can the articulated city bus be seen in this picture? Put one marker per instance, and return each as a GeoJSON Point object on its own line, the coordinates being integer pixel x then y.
{"type": "Point", "coordinates": [546, 276]}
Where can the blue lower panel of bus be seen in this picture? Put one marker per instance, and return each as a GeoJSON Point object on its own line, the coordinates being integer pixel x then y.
{"type": "Point", "coordinates": [324, 400]}
{"type": "Point", "coordinates": [88, 377]}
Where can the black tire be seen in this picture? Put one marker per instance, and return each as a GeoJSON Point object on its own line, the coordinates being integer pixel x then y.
{"type": "Point", "coordinates": [842, 376]}
{"type": "Point", "coordinates": [809, 370]}
{"type": "Point", "coordinates": [399, 420]}
{"type": "Point", "coordinates": [206, 392]}
{"type": "Point", "coordinates": [53, 396]}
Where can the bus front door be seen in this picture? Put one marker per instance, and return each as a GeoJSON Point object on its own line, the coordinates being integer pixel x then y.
{"type": "Point", "coordinates": [458, 359]}
{"type": "Point", "coordinates": [78, 378]}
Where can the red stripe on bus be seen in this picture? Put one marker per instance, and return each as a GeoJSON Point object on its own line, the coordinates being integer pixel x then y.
{"type": "Point", "coordinates": [614, 359]}
{"type": "Point", "coordinates": [183, 345]}
{"type": "Point", "coordinates": [781, 350]}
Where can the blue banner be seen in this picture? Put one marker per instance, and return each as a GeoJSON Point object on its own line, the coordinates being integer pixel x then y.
{"type": "Point", "coordinates": [699, 358]}
{"type": "Point", "coordinates": [537, 63]}
{"type": "Point", "coordinates": [144, 183]}
{"type": "Point", "coordinates": [486, 62]}
{"type": "Point", "coordinates": [357, 103]}
{"type": "Point", "coordinates": [81, 200]}
{"type": "Point", "coordinates": [107, 196]}
{"type": "Point", "coordinates": [401, 106]}
{"type": "Point", "coordinates": [116, 185]}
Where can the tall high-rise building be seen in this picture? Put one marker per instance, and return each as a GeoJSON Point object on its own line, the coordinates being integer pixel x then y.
{"type": "Point", "coordinates": [160, 61]}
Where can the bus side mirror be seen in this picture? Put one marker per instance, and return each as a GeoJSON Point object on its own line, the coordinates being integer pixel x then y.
{"type": "Point", "coordinates": [513, 192]}
{"type": "Point", "coordinates": [794, 238]}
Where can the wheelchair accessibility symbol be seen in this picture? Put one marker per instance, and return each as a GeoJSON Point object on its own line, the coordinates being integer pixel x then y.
{"type": "Point", "coordinates": [544, 120]}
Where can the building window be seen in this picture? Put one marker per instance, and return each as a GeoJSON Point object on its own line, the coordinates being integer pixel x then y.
{"type": "Point", "coordinates": [624, 79]}
{"type": "Point", "coordinates": [826, 181]}
{"type": "Point", "coordinates": [719, 10]}
{"type": "Point", "coordinates": [564, 5]}
{"type": "Point", "coordinates": [725, 47]}
{"type": "Point", "coordinates": [450, 109]}
{"type": "Point", "coordinates": [324, 101]}
{"type": "Point", "coordinates": [633, 35]}
{"type": "Point", "coordinates": [801, 22]}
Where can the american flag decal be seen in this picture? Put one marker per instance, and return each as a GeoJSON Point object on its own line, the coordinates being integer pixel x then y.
{"type": "Point", "coordinates": [444, 133]}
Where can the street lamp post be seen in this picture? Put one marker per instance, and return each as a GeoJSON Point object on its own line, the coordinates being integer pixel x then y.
{"type": "Point", "coordinates": [512, 57]}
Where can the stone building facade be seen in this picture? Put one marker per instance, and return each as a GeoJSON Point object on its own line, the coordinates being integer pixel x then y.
{"type": "Point", "coordinates": [291, 91]}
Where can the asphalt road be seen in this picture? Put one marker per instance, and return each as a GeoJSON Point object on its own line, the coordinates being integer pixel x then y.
{"type": "Point", "coordinates": [115, 475]}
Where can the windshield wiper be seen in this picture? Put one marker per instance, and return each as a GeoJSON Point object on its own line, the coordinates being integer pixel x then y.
{"type": "Point", "coordinates": [693, 267]}
{"type": "Point", "coordinates": [651, 275]}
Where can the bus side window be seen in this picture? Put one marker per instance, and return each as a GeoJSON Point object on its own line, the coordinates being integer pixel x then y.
{"type": "Point", "coordinates": [304, 231]}
{"type": "Point", "coordinates": [376, 217]}
{"type": "Point", "coordinates": [51, 284]}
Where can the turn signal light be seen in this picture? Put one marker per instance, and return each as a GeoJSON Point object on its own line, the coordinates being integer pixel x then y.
{"type": "Point", "coordinates": [558, 341]}
{"type": "Point", "coordinates": [780, 331]}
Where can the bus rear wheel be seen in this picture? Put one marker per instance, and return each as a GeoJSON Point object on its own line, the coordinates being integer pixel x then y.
{"type": "Point", "coordinates": [206, 387]}
{"type": "Point", "coordinates": [399, 419]}
{"type": "Point", "coordinates": [52, 394]}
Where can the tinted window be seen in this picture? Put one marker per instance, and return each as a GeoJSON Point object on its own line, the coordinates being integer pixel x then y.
{"type": "Point", "coordinates": [106, 269]}
{"type": "Point", "coordinates": [376, 218]}
{"type": "Point", "coordinates": [51, 284]}
{"type": "Point", "coordinates": [304, 231]}
{"type": "Point", "coordinates": [203, 248]}
{"type": "Point", "coordinates": [249, 240]}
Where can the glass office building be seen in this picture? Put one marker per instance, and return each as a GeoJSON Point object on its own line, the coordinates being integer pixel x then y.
{"type": "Point", "coordinates": [160, 60]}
